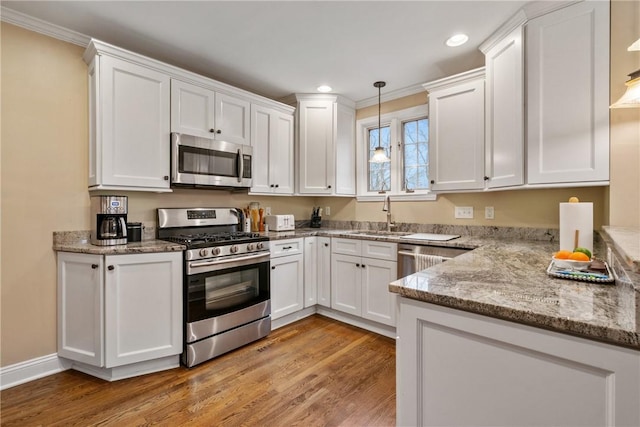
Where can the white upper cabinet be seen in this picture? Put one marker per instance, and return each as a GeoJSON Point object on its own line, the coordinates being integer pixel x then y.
{"type": "Point", "coordinates": [202, 112]}
{"type": "Point", "coordinates": [567, 54]}
{"type": "Point", "coordinates": [129, 125]}
{"type": "Point", "coordinates": [456, 132]}
{"type": "Point", "coordinates": [326, 145]}
{"type": "Point", "coordinates": [504, 107]}
{"type": "Point", "coordinates": [272, 142]}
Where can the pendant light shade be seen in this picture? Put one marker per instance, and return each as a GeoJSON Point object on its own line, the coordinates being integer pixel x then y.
{"type": "Point", "coordinates": [379, 154]}
{"type": "Point", "coordinates": [631, 98]}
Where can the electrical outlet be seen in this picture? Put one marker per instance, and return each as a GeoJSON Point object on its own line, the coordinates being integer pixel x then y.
{"type": "Point", "coordinates": [267, 210]}
{"type": "Point", "coordinates": [464, 212]}
{"type": "Point", "coordinates": [488, 212]}
{"type": "Point", "coordinates": [327, 210]}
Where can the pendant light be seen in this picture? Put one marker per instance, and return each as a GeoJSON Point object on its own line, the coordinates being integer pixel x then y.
{"type": "Point", "coordinates": [379, 154]}
{"type": "Point", "coordinates": [631, 98]}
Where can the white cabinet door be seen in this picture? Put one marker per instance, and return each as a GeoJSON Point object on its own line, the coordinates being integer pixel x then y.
{"type": "Point", "coordinates": [287, 286]}
{"type": "Point", "coordinates": [346, 284]}
{"type": "Point", "coordinates": [80, 307]}
{"type": "Point", "coordinates": [143, 307]}
{"type": "Point", "coordinates": [192, 109]}
{"type": "Point", "coordinates": [316, 147]}
{"type": "Point", "coordinates": [459, 368]}
{"type": "Point", "coordinates": [272, 142]}
{"type": "Point", "coordinates": [456, 136]}
{"type": "Point", "coordinates": [345, 150]}
{"type": "Point", "coordinates": [129, 126]}
{"type": "Point", "coordinates": [311, 269]}
{"type": "Point", "coordinates": [504, 141]}
{"type": "Point", "coordinates": [232, 119]}
{"type": "Point", "coordinates": [378, 304]}
{"type": "Point", "coordinates": [568, 95]}
{"type": "Point", "coordinates": [324, 271]}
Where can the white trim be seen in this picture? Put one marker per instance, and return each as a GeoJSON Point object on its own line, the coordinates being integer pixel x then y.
{"type": "Point", "coordinates": [30, 370]}
{"type": "Point", "coordinates": [390, 96]}
{"type": "Point", "coordinates": [20, 19]}
{"type": "Point", "coordinates": [477, 73]}
{"type": "Point", "coordinates": [517, 20]}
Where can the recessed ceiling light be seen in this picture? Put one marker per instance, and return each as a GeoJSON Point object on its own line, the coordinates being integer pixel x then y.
{"type": "Point", "coordinates": [457, 40]}
{"type": "Point", "coordinates": [324, 88]}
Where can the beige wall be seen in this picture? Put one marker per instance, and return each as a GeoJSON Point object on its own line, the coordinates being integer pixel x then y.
{"type": "Point", "coordinates": [624, 191]}
{"type": "Point", "coordinates": [43, 172]}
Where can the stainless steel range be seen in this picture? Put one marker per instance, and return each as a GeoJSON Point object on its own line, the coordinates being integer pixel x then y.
{"type": "Point", "coordinates": [226, 280]}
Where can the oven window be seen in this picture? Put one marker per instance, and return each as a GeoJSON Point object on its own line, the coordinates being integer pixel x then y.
{"type": "Point", "coordinates": [219, 292]}
{"type": "Point", "coordinates": [230, 289]}
{"type": "Point", "coordinates": [201, 161]}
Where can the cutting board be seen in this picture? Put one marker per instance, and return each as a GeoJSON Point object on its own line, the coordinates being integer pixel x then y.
{"type": "Point", "coordinates": [428, 236]}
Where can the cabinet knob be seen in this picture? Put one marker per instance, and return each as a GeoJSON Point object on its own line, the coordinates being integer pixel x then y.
{"type": "Point", "coordinates": [166, 177]}
{"type": "Point", "coordinates": [110, 268]}
{"type": "Point", "coordinates": [326, 244]}
{"type": "Point", "coordinates": [271, 186]}
{"type": "Point", "coordinates": [486, 178]}
{"type": "Point", "coordinates": [212, 130]}
{"type": "Point", "coordinates": [363, 266]}
{"type": "Point", "coordinates": [328, 186]}
{"type": "Point", "coordinates": [218, 131]}
{"type": "Point", "coordinates": [94, 266]}
{"type": "Point", "coordinates": [357, 265]}
{"type": "Point", "coordinates": [273, 267]}
{"type": "Point", "coordinates": [277, 185]}
{"type": "Point", "coordinates": [432, 181]}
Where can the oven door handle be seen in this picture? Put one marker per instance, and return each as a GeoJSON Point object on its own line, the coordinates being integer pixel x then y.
{"type": "Point", "coordinates": [226, 261]}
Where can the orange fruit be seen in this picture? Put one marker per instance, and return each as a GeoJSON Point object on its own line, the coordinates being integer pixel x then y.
{"type": "Point", "coordinates": [562, 254]}
{"type": "Point", "coordinates": [579, 256]}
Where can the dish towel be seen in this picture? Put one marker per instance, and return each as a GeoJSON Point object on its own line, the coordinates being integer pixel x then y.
{"type": "Point", "coordinates": [423, 261]}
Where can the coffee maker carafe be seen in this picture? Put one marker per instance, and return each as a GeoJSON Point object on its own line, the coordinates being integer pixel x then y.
{"type": "Point", "coordinates": [109, 216]}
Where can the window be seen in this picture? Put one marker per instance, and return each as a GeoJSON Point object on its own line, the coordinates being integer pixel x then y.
{"type": "Point", "coordinates": [404, 135]}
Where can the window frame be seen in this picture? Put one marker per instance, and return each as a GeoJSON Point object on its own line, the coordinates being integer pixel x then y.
{"type": "Point", "coordinates": [394, 120]}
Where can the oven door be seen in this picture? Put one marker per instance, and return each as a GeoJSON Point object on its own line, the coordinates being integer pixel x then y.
{"type": "Point", "coordinates": [199, 161]}
{"type": "Point", "coordinates": [232, 286]}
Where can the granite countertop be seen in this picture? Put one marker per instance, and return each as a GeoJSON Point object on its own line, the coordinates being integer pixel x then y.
{"type": "Point", "coordinates": [79, 242]}
{"type": "Point", "coordinates": [508, 280]}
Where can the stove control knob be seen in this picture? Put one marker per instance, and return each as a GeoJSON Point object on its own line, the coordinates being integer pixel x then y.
{"type": "Point", "coordinates": [215, 251]}
{"type": "Point", "coordinates": [250, 247]}
{"type": "Point", "coordinates": [233, 249]}
{"type": "Point", "coordinates": [260, 246]}
{"type": "Point", "coordinates": [203, 252]}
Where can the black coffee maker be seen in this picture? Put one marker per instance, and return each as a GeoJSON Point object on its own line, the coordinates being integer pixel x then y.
{"type": "Point", "coordinates": [109, 216]}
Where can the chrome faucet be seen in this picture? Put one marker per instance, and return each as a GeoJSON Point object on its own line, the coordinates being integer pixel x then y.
{"type": "Point", "coordinates": [386, 207]}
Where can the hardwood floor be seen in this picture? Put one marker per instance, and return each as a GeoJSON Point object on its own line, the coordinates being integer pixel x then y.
{"type": "Point", "coordinates": [315, 372]}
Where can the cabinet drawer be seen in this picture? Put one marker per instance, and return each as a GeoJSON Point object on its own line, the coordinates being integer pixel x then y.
{"type": "Point", "coordinates": [382, 250]}
{"type": "Point", "coordinates": [286, 247]}
{"type": "Point", "coordinates": [346, 246]}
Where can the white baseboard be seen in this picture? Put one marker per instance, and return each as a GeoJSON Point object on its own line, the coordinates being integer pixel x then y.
{"type": "Point", "coordinates": [30, 370]}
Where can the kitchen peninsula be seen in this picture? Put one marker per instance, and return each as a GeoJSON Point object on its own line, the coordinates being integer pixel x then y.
{"type": "Point", "coordinates": [491, 332]}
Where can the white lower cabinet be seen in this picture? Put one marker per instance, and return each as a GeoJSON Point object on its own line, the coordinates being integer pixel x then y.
{"type": "Point", "coordinates": [287, 277]}
{"type": "Point", "coordinates": [118, 310]}
{"type": "Point", "coordinates": [360, 283]}
{"type": "Point", "coordinates": [324, 271]}
{"type": "Point", "coordinates": [460, 368]}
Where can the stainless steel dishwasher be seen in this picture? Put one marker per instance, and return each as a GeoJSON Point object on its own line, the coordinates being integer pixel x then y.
{"type": "Point", "coordinates": [409, 254]}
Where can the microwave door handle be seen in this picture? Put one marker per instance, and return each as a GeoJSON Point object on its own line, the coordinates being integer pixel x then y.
{"type": "Point", "coordinates": [240, 165]}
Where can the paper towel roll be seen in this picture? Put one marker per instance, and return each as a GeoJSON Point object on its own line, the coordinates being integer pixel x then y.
{"type": "Point", "coordinates": [576, 216]}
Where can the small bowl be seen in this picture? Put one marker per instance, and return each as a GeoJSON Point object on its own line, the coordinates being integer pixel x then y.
{"type": "Point", "coordinates": [571, 264]}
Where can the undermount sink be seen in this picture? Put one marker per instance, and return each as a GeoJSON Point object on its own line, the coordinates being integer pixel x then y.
{"type": "Point", "coordinates": [378, 233]}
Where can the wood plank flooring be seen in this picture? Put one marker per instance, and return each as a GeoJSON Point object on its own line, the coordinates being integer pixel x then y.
{"type": "Point", "coordinates": [315, 372]}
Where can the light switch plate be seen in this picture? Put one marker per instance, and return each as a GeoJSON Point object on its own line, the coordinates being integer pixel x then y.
{"type": "Point", "coordinates": [464, 212]}
{"type": "Point", "coordinates": [488, 212]}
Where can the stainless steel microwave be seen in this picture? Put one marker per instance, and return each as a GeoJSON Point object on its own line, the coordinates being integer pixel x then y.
{"type": "Point", "coordinates": [202, 162]}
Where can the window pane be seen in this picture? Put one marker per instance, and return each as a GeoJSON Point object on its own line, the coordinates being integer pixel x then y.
{"type": "Point", "coordinates": [416, 154]}
{"type": "Point", "coordinates": [379, 173]}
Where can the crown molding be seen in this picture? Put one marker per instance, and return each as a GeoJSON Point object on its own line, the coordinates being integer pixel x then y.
{"type": "Point", "coordinates": [20, 19]}
{"type": "Point", "coordinates": [516, 21]}
{"type": "Point", "coordinates": [446, 82]}
{"type": "Point", "coordinates": [390, 96]}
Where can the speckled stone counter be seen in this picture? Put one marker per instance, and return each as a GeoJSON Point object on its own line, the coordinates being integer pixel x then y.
{"type": "Point", "coordinates": [78, 241]}
{"type": "Point", "coordinates": [508, 280]}
{"type": "Point", "coordinates": [626, 240]}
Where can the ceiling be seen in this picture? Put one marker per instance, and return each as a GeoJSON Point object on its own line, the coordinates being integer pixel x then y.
{"type": "Point", "coordinates": [279, 48]}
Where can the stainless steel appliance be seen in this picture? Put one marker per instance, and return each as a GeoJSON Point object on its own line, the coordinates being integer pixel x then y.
{"type": "Point", "coordinates": [109, 216]}
{"type": "Point", "coordinates": [412, 257]}
{"type": "Point", "coordinates": [226, 280]}
{"type": "Point", "coordinates": [197, 161]}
